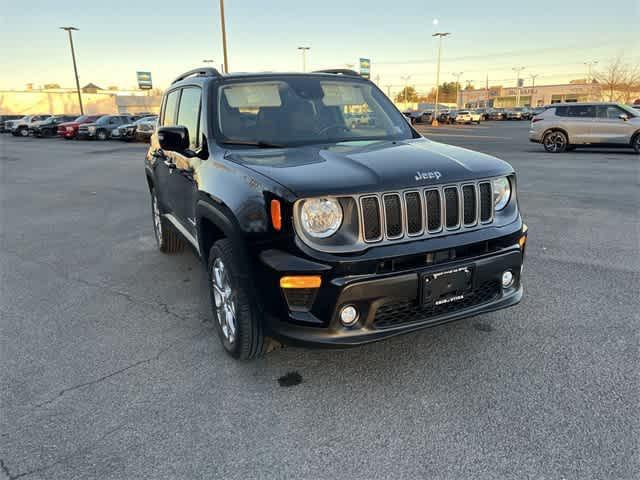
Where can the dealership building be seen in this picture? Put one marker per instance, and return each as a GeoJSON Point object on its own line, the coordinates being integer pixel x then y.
{"type": "Point", "coordinates": [507, 97]}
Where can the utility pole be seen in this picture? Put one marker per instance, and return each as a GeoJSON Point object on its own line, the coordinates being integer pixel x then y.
{"type": "Point", "coordinates": [75, 67]}
{"type": "Point", "coordinates": [533, 87]}
{"type": "Point", "coordinates": [589, 77]}
{"type": "Point", "coordinates": [518, 70]}
{"type": "Point", "coordinates": [224, 37]}
{"type": "Point", "coordinates": [458, 75]}
{"type": "Point", "coordinates": [406, 87]}
{"type": "Point", "coordinates": [440, 35]}
{"type": "Point", "coordinates": [304, 57]}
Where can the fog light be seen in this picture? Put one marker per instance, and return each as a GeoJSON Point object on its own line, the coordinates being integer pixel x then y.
{"type": "Point", "coordinates": [507, 278]}
{"type": "Point", "coordinates": [348, 316]}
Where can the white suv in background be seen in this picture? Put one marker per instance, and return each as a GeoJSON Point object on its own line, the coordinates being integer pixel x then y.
{"type": "Point", "coordinates": [467, 116]}
{"type": "Point", "coordinates": [565, 126]}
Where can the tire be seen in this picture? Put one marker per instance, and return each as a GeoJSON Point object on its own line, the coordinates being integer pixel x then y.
{"type": "Point", "coordinates": [101, 135]}
{"type": "Point", "coordinates": [167, 239]}
{"type": "Point", "coordinates": [555, 141]}
{"type": "Point", "coordinates": [23, 132]}
{"type": "Point", "coordinates": [236, 317]}
{"type": "Point", "coordinates": [636, 143]}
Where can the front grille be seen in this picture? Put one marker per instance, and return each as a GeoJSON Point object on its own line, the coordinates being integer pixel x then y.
{"type": "Point", "coordinates": [392, 215]}
{"type": "Point", "coordinates": [403, 312]}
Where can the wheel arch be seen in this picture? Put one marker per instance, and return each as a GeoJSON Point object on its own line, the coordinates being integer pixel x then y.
{"type": "Point", "coordinates": [556, 129]}
{"type": "Point", "coordinates": [634, 136]}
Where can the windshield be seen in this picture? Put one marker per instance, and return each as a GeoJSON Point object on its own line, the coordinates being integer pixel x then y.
{"type": "Point", "coordinates": [304, 110]}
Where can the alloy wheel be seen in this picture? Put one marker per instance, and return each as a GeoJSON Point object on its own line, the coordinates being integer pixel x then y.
{"type": "Point", "coordinates": [555, 142]}
{"type": "Point", "coordinates": [224, 299]}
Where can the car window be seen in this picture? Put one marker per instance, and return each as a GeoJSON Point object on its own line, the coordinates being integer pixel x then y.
{"type": "Point", "coordinates": [189, 113]}
{"type": "Point", "coordinates": [170, 108]}
{"type": "Point", "coordinates": [581, 111]}
{"type": "Point", "coordinates": [610, 112]}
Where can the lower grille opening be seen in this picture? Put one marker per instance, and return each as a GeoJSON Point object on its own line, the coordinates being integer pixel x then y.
{"type": "Point", "coordinates": [404, 312]}
{"type": "Point", "coordinates": [300, 299]}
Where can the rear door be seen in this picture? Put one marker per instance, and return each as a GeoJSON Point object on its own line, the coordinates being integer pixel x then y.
{"type": "Point", "coordinates": [578, 121]}
{"type": "Point", "coordinates": [610, 128]}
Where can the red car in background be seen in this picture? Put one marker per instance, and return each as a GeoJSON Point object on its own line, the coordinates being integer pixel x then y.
{"type": "Point", "coordinates": [69, 130]}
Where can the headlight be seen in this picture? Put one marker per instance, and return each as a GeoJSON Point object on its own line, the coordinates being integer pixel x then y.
{"type": "Point", "coordinates": [321, 217]}
{"type": "Point", "coordinates": [69, 129]}
{"type": "Point", "coordinates": [92, 129]}
{"type": "Point", "coordinates": [501, 193]}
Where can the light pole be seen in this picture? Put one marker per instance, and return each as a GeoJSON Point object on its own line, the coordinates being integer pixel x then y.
{"type": "Point", "coordinates": [458, 75]}
{"type": "Point", "coordinates": [589, 77]}
{"type": "Point", "coordinates": [224, 37]}
{"type": "Point", "coordinates": [388, 91]}
{"type": "Point", "coordinates": [518, 70]}
{"type": "Point", "coordinates": [75, 67]}
{"type": "Point", "coordinates": [441, 35]}
{"type": "Point", "coordinates": [533, 87]}
{"type": "Point", "coordinates": [304, 51]}
{"type": "Point", "coordinates": [406, 87]}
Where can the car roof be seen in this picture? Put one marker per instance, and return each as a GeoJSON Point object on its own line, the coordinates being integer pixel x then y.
{"type": "Point", "coordinates": [205, 75]}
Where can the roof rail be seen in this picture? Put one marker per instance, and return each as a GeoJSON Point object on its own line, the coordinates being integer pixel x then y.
{"type": "Point", "coordinates": [200, 72]}
{"type": "Point", "coordinates": [339, 71]}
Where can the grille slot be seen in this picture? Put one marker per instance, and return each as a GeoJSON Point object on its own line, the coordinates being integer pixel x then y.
{"type": "Point", "coordinates": [434, 210]}
{"type": "Point", "coordinates": [393, 215]}
{"type": "Point", "coordinates": [451, 207]}
{"type": "Point", "coordinates": [372, 229]}
{"type": "Point", "coordinates": [413, 204]}
{"type": "Point", "coordinates": [469, 204]}
{"type": "Point", "coordinates": [486, 201]}
{"type": "Point", "coordinates": [403, 312]}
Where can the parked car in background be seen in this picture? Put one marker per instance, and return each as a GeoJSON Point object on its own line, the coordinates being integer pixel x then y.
{"type": "Point", "coordinates": [563, 127]}
{"type": "Point", "coordinates": [515, 113]}
{"type": "Point", "coordinates": [497, 114]}
{"type": "Point", "coordinates": [7, 118]}
{"type": "Point", "coordinates": [467, 116]}
{"type": "Point", "coordinates": [140, 130]}
{"type": "Point", "coordinates": [49, 127]}
{"type": "Point", "coordinates": [103, 128]}
{"type": "Point", "coordinates": [483, 112]}
{"type": "Point", "coordinates": [446, 116]}
{"type": "Point", "coordinates": [536, 111]}
{"type": "Point", "coordinates": [20, 127]}
{"type": "Point", "coordinates": [414, 116]}
{"type": "Point", "coordinates": [69, 130]}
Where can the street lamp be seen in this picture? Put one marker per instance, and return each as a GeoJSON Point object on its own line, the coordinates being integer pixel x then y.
{"type": "Point", "coordinates": [441, 35]}
{"type": "Point", "coordinates": [75, 67]}
{"type": "Point", "coordinates": [457, 75]}
{"type": "Point", "coordinates": [224, 37]}
{"type": "Point", "coordinates": [304, 51]}
{"type": "Point", "coordinates": [533, 87]}
{"type": "Point", "coordinates": [518, 70]}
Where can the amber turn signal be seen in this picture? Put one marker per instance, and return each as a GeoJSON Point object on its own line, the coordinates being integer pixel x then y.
{"type": "Point", "coordinates": [307, 281]}
{"type": "Point", "coordinates": [276, 215]}
{"type": "Point", "coordinates": [523, 239]}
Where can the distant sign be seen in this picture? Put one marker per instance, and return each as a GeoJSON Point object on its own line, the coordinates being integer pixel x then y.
{"type": "Point", "coordinates": [365, 68]}
{"type": "Point", "coordinates": [144, 80]}
{"type": "Point", "coordinates": [521, 82]}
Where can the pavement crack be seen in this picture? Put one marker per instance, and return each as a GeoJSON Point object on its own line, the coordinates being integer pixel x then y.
{"type": "Point", "coordinates": [114, 373]}
{"type": "Point", "coordinates": [66, 458]}
{"type": "Point", "coordinates": [5, 470]}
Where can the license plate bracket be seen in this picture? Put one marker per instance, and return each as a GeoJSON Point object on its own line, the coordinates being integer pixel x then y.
{"type": "Point", "coordinates": [446, 286]}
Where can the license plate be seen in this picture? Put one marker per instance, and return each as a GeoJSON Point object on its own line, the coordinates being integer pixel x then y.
{"type": "Point", "coordinates": [447, 286]}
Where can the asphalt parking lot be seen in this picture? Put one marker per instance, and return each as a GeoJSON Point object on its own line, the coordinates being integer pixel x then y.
{"type": "Point", "coordinates": [111, 367]}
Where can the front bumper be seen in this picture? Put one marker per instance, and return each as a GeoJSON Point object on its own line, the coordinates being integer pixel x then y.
{"type": "Point", "coordinates": [390, 304]}
{"type": "Point", "coordinates": [535, 136]}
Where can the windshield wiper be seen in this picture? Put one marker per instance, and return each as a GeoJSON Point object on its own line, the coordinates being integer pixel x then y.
{"type": "Point", "coordinates": [253, 143]}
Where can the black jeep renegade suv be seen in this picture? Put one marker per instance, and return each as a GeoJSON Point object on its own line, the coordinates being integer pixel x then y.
{"type": "Point", "coordinates": [319, 230]}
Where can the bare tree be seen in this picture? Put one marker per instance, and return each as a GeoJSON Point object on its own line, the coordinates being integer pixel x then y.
{"type": "Point", "coordinates": [618, 81]}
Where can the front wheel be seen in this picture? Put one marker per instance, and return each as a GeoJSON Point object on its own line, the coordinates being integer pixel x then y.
{"type": "Point", "coordinates": [101, 135]}
{"type": "Point", "coordinates": [636, 143]}
{"type": "Point", "coordinates": [555, 142]}
{"type": "Point", "coordinates": [23, 132]}
{"type": "Point", "coordinates": [236, 317]}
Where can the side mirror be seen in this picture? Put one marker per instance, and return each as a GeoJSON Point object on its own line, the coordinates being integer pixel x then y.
{"type": "Point", "coordinates": [174, 139]}
{"type": "Point", "coordinates": [623, 116]}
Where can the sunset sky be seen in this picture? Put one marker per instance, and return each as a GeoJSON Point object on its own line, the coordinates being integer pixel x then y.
{"type": "Point", "coordinates": [550, 38]}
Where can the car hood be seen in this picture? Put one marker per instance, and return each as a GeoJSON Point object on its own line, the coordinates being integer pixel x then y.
{"type": "Point", "coordinates": [369, 166]}
{"type": "Point", "coordinates": [68, 124]}
{"type": "Point", "coordinates": [91, 124]}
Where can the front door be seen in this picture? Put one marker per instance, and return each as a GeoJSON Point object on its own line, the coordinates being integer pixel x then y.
{"type": "Point", "coordinates": [610, 128]}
